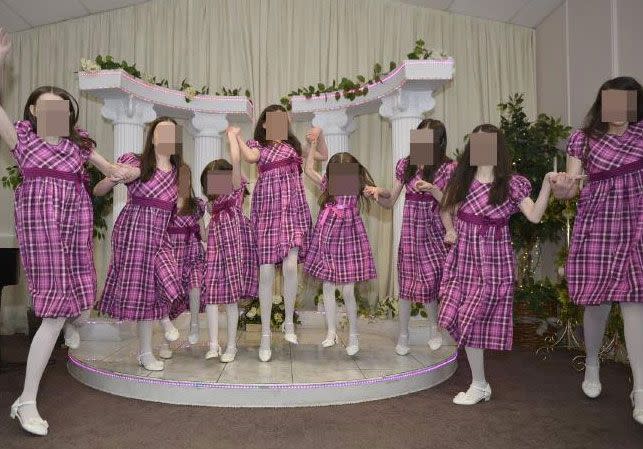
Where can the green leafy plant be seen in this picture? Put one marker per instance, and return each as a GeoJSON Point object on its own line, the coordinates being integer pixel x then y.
{"type": "Point", "coordinates": [388, 307]}
{"type": "Point", "coordinates": [108, 63]}
{"type": "Point", "coordinates": [363, 306]}
{"type": "Point", "coordinates": [102, 205]}
{"type": "Point", "coordinates": [358, 87]}
{"type": "Point", "coordinates": [251, 313]}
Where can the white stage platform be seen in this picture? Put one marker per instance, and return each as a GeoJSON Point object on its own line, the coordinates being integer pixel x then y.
{"type": "Point", "coordinates": [297, 376]}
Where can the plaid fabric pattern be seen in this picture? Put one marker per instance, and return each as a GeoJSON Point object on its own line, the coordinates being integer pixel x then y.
{"type": "Point", "coordinates": [280, 214]}
{"type": "Point", "coordinates": [605, 261]}
{"type": "Point", "coordinates": [339, 249]}
{"type": "Point", "coordinates": [142, 278]}
{"type": "Point", "coordinates": [421, 252]}
{"type": "Point", "coordinates": [54, 226]}
{"type": "Point", "coordinates": [190, 257]}
{"type": "Point", "coordinates": [477, 286]}
{"type": "Point", "coordinates": [231, 265]}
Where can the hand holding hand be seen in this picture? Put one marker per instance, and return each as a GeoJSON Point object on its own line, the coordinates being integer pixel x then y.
{"type": "Point", "coordinates": [373, 192]}
{"type": "Point", "coordinates": [313, 134]}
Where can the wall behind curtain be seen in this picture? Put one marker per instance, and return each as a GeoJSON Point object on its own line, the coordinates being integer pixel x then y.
{"type": "Point", "coordinates": [271, 47]}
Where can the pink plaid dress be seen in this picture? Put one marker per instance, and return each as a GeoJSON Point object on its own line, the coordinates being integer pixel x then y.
{"type": "Point", "coordinates": [54, 224]}
{"type": "Point", "coordinates": [185, 236]}
{"type": "Point", "coordinates": [231, 265]}
{"type": "Point", "coordinates": [142, 278]}
{"type": "Point", "coordinates": [421, 253]}
{"type": "Point", "coordinates": [477, 287]}
{"type": "Point", "coordinates": [605, 261]}
{"type": "Point", "coordinates": [339, 249]}
{"type": "Point", "coordinates": [280, 214]}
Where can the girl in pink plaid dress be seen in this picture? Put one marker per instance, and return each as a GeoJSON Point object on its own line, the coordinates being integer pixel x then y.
{"type": "Point", "coordinates": [339, 253]}
{"type": "Point", "coordinates": [478, 281]}
{"type": "Point", "coordinates": [54, 226]}
{"type": "Point", "coordinates": [142, 278]}
{"type": "Point", "coordinates": [184, 231]}
{"type": "Point", "coordinates": [280, 217]}
{"type": "Point", "coordinates": [421, 251]}
{"type": "Point", "coordinates": [231, 264]}
{"type": "Point", "coordinates": [605, 262]}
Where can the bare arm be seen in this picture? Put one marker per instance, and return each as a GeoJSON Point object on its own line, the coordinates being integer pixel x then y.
{"type": "Point", "coordinates": [388, 198]}
{"type": "Point", "coordinates": [309, 167]}
{"type": "Point", "coordinates": [234, 157]}
{"type": "Point", "coordinates": [104, 186]}
{"type": "Point", "coordinates": [7, 130]}
{"type": "Point", "coordinates": [446, 215]}
{"type": "Point", "coordinates": [321, 153]}
{"type": "Point", "coordinates": [535, 211]}
{"type": "Point", "coordinates": [250, 155]}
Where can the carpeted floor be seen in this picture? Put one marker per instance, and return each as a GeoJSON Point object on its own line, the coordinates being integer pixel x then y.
{"type": "Point", "coordinates": [535, 404]}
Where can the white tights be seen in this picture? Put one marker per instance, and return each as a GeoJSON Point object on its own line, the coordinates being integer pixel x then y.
{"type": "Point", "coordinates": [330, 306]}
{"type": "Point", "coordinates": [232, 314]}
{"type": "Point", "coordinates": [266, 281]}
{"type": "Point", "coordinates": [404, 307]}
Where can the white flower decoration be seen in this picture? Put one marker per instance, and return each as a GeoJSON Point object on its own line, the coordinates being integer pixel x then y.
{"type": "Point", "coordinates": [279, 318]}
{"type": "Point", "coordinates": [277, 299]}
{"type": "Point", "coordinates": [252, 312]}
{"type": "Point", "coordinates": [87, 65]}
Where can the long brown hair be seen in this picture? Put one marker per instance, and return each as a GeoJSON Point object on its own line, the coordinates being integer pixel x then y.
{"type": "Point", "coordinates": [260, 131]}
{"type": "Point", "coordinates": [74, 136]}
{"type": "Point", "coordinates": [460, 182]}
{"type": "Point", "coordinates": [365, 179]}
{"type": "Point", "coordinates": [190, 205]}
{"type": "Point", "coordinates": [593, 126]}
{"type": "Point", "coordinates": [440, 136]}
{"type": "Point", "coordinates": [148, 157]}
{"type": "Point", "coordinates": [219, 164]}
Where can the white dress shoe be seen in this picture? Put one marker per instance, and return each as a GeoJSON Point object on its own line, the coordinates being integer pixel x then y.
{"type": "Point", "coordinates": [229, 355]}
{"type": "Point", "coordinates": [172, 335]}
{"type": "Point", "coordinates": [213, 352]}
{"type": "Point", "coordinates": [591, 388]}
{"type": "Point", "coordinates": [402, 347]}
{"type": "Point", "coordinates": [72, 337]}
{"type": "Point", "coordinates": [165, 353]}
{"type": "Point", "coordinates": [36, 426]}
{"type": "Point", "coordinates": [193, 336]}
{"type": "Point", "coordinates": [353, 345]}
{"type": "Point", "coordinates": [289, 333]}
{"type": "Point", "coordinates": [331, 339]}
{"type": "Point", "coordinates": [435, 342]}
{"type": "Point", "coordinates": [265, 353]}
{"type": "Point", "coordinates": [637, 402]}
{"type": "Point", "coordinates": [473, 395]}
{"type": "Point", "coordinates": [147, 361]}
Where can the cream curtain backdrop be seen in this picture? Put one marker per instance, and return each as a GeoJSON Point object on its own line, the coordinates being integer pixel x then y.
{"type": "Point", "coordinates": [271, 47]}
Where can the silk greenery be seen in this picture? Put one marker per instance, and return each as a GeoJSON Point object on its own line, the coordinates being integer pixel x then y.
{"type": "Point", "coordinates": [358, 87]}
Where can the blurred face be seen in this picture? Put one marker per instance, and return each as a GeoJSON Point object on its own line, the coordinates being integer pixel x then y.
{"type": "Point", "coordinates": [165, 138]}
{"type": "Point", "coordinates": [52, 115]}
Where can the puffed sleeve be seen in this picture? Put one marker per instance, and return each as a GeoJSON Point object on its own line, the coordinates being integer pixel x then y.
{"type": "Point", "coordinates": [252, 143]}
{"type": "Point", "coordinates": [519, 188]}
{"type": "Point", "coordinates": [324, 183]}
{"type": "Point", "coordinates": [577, 144]}
{"type": "Point", "coordinates": [24, 134]}
{"type": "Point", "coordinates": [400, 168]}
{"type": "Point", "coordinates": [444, 174]}
{"type": "Point", "coordinates": [200, 208]}
{"type": "Point", "coordinates": [130, 159]}
{"type": "Point", "coordinates": [85, 152]}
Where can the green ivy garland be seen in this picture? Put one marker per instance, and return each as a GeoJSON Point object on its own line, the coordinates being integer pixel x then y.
{"type": "Point", "coordinates": [352, 89]}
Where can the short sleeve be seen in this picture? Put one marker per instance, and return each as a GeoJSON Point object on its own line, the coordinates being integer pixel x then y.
{"type": "Point", "coordinates": [444, 174]}
{"type": "Point", "coordinates": [577, 144]}
{"type": "Point", "coordinates": [252, 143]}
{"type": "Point", "coordinates": [200, 208]}
{"type": "Point", "coordinates": [400, 168]}
{"type": "Point", "coordinates": [130, 159]}
{"type": "Point", "coordinates": [519, 188]}
{"type": "Point", "coordinates": [85, 152]}
{"type": "Point", "coordinates": [24, 134]}
{"type": "Point", "coordinates": [324, 183]}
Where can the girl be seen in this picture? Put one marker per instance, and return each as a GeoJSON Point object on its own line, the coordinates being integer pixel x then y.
{"type": "Point", "coordinates": [421, 252]}
{"type": "Point", "coordinates": [54, 226]}
{"type": "Point", "coordinates": [142, 277]}
{"type": "Point", "coordinates": [339, 254]}
{"type": "Point", "coordinates": [478, 281]}
{"type": "Point", "coordinates": [184, 230]}
{"type": "Point", "coordinates": [606, 253]}
{"type": "Point", "coordinates": [280, 216]}
{"type": "Point", "coordinates": [231, 265]}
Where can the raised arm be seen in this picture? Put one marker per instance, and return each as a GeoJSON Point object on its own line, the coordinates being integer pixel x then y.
{"type": "Point", "coordinates": [7, 130]}
{"type": "Point", "coordinates": [250, 155]}
{"type": "Point", "coordinates": [309, 167]}
{"type": "Point", "coordinates": [535, 211]}
{"type": "Point", "coordinates": [321, 153]}
{"type": "Point", "coordinates": [232, 133]}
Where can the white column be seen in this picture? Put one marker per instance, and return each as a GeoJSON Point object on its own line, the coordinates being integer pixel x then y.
{"type": "Point", "coordinates": [129, 116]}
{"type": "Point", "coordinates": [337, 127]}
{"type": "Point", "coordinates": [404, 110]}
{"type": "Point", "coordinates": [208, 146]}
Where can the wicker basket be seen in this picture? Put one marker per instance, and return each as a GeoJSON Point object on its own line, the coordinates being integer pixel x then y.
{"type": "Point", "coordinates": [525, 335]}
